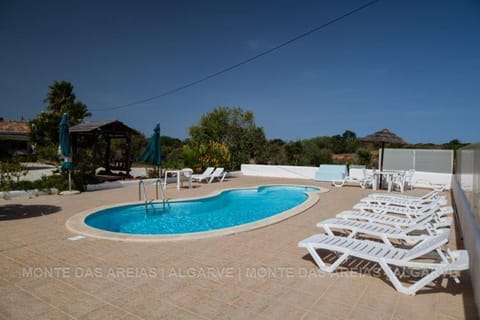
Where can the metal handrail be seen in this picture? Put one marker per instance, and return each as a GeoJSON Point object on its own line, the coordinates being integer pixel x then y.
{"type": "Point", "coordinates": [141, 187]}
{"type": "Point", "coordinates": [157, 183]}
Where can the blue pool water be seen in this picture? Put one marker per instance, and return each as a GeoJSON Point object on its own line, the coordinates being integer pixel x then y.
{"type": "Point", "coordinates": [228, 209]}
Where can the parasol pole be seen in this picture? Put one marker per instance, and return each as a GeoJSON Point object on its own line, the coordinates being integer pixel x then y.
{"type": "Point", "coordinates": [381, 159]}
{"type": "Point", "coordinates": [381, 162]}
{"type": "Point", "coordinates": [69, 180]}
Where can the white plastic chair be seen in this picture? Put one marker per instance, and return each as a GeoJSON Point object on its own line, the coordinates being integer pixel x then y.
{"type": "Point", "coordinates": [409, 179]}
{"type": "Point", "coordinates": [398, 181]}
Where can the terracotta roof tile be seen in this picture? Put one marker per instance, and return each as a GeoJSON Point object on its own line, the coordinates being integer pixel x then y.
{"type": "Point", "coordinates": [14, 127]}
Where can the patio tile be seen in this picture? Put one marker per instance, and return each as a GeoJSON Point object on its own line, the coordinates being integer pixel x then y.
{"type": "Point", "coordinates": [380, 298]}
{"type": "Point", "coordinates": [107, 312]}
{"type": "Point", "coordinates": [361, 312]}
{"type": "Point", "coordinates": [252, 302]}
{"type": "Point", "coordinates": [55, 314]}
{"type": "Point", "coordinates": [339, 309]}
{"type": "Point", "coordinates": [233, 313]}
{"type": "Point", "coordinates": [457, 306]}
{"type": "Point", "coordinates": [202, 305]}
{"type": "Point", "coordinates": [304, 293]}
{"type": "Point", "coordinates": [282, 311]}
{"type": "Point", "coordinates": [316, 316]}
{"type": "Point", "coordinates": [415, 307]}
{"type": "Point", "coordinates": [66, 298]}
{"type": "Point", "coordinates": [19, 304]}
{"type": "Point", "coordinates": [297, 299]}
{"type": "Point", "coordinates": [315, 283]}
{"type": "Point", "coordinates": [143, 304]}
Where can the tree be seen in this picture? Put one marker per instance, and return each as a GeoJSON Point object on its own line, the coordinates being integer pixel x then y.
{"type": "Point", "coordinates": [350, 141]}
{"type": "Point", "coordinates": [60, 99]}
{"type": "Point", "coordinates": [294, 151]}
{"type": "Point", "coordinates": [234, 128]}
{"type": "Point", "coordinates": [315, 153]}
{"type": "Point", "coordinates": [454, 144]}
{"type": "Point", "coordinates": [274, 152]}
{"type": "Point", "coordinates": [202, 155]}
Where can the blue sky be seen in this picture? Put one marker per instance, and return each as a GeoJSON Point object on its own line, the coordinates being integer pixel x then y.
{"type": "Point", "coordinates": [410, 66]}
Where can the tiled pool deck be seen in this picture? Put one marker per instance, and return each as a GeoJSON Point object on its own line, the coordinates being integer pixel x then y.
{"type": "Point", "coordinates": [259, 274]}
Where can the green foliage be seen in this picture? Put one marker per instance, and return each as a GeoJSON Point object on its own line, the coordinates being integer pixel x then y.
{"type": "Point", "coordinates": [274, 152]}
{"type": "Point", "coordinates": [234, 128]}
{"type": "Point", "coordinates": [57, 181]}
{"type": "Point", "coordinates": [60, 98]}
{"type": "Point", "coordinates": [171, 152]}
{"type": "Point", "coordinates": [454, 144]}
{"type": "Point", "coordinates": [202, 155]}
{"type": "Point", "coordinates": [10, 173]}
{"type": "Point", "coordinates": [364, 157]}
{"type": "Point", "coordinates": [48, 153]}
{"type": "Point", "coordinates": [315, 153]}
{"type": "Point", "coordinates": [294, 152]}
{"type": "Point", "coordinates": [84, 166]}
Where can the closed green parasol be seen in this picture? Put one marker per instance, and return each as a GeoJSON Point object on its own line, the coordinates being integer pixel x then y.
{"type": "Point", "coordinates": [153, 153]}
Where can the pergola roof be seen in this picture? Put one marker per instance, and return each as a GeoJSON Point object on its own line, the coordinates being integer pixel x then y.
{"type": "Point", "coordinates": [112, 127]}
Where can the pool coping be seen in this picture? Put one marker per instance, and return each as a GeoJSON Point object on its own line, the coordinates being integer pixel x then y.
{"type": "Point", "coordinates": [77, 225]}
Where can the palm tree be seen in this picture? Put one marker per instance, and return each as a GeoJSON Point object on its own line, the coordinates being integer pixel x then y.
{"type": "Point", "coordinates": [60, 99]}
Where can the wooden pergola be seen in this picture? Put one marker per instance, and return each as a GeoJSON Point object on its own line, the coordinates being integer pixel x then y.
{"type": "Point", "coordinates": [89, 134]}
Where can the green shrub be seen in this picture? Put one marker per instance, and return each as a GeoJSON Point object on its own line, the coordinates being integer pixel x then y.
{"type": "Point", "coordinates": [10, 173]}
{"type": "Point", "coordinates": [48, 153]}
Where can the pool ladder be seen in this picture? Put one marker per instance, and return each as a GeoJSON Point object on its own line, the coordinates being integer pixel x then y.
{"type": "Point", "coordinates": [143, 191]}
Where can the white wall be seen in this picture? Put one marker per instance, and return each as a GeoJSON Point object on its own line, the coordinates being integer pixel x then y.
{"type": "Point", "coordinates": [420, 179]}
{"type": "Point", "coordinates": [264, 170]}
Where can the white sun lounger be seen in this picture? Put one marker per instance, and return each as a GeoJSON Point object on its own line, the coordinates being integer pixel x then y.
{"type": "Point", "coordinates": [387, 196]}
{"type": "Point", "coordinates": [409, 212]}
{"type": "Point", "coordinates": [389, 201]}
{"type": "Point", "coordinates": [410, 235]}
{"type": "Point", "coordinates": [218, 174]}
{"type": "Point", "coordinates": [395, 221]}
{"type": "Point", "coordinates": [203, 176]}
{"type": "Point", "coordinates": [386, 256]}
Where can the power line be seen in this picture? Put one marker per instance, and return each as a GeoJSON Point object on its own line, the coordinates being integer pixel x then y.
{"type": "Point", "coordinates": [227, 69]}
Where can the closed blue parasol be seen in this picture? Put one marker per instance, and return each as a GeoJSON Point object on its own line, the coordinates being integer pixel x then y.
{"type": "Point", "coordinates": [65, 148]}
{"type": "Point", "coordinates": [153, 154]}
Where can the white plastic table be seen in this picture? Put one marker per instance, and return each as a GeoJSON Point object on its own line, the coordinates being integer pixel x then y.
{"type": "Point", "coordinates": [179, 173]}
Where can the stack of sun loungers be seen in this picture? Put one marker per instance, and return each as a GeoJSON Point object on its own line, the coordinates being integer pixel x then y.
{"type": "Point", "coordinates": [397, 232]}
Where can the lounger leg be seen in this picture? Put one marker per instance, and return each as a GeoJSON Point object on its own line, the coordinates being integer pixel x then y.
{"type": "Point", "coordinates": [411, 290]}
{"type": "Point", "coordinates": [322, 264]}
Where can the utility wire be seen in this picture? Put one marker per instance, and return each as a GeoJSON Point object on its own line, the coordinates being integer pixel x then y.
{"type": "Point", "coordinates": [225, 70]}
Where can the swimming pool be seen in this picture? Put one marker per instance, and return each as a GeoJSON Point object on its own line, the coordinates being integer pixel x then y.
{"type": "Point", "coordinates": [229, 211]}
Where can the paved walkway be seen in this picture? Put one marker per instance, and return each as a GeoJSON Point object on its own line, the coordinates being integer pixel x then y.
{"type": "Point", "coordinates": [260, 274]}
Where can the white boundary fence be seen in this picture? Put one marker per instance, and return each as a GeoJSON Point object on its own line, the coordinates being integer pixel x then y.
{"type": "Point", "coordinates": [466, 195]}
